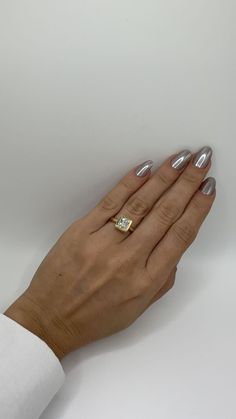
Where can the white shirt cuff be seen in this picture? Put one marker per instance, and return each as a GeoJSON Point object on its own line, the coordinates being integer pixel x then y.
{"type": "Point", "coordinates": [30, 373]}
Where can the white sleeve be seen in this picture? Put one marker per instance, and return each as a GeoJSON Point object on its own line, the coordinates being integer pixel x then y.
{"type": "Point", "coordinates": [30, 373]}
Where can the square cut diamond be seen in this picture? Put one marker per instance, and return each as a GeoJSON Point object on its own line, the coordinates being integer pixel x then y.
{"type": "Point", "coordinates": [123, 224]}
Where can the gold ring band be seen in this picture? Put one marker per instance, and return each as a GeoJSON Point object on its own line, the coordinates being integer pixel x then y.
{"type": "Point", "coordinates": [123, 224]}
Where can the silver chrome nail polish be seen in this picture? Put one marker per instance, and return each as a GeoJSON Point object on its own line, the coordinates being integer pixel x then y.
{"type": "Point", "coordinates": [208, 186]}
{"type": "Point", "coordinates": [144, 168]}
{"type": "Point", "coordinates": [181, 160]}
{"type": "Point", "coordinates": [203, 157]}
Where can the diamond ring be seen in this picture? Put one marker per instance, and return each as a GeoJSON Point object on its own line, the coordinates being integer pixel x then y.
{"type": "Point", "coordinates": [123, 224]}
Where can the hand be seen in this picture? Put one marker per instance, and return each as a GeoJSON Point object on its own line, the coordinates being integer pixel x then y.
{"type": "Point", "coordinates": [97, 280]}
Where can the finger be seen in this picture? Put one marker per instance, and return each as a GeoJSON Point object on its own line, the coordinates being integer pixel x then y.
{"type": "Point", "coordinates": [141, 202]}
{"type": "Point", "coordinates": [181, 235]}
{"type": "Point", "coordinates": [115, 199]}
{"type": "Point", "coordinates": [172, 204]}
{"type": "Point", "coordinates": [166, 287]}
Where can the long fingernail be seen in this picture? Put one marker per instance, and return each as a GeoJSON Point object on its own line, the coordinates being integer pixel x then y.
{"type": "Point", "coordinates": [208, 187]}
{"type": "Point", "coordinates": [144, 168]}
{"type": "Point", "coordinates": [181, 160]}
{"type": "Point", "coordinates": [203, 157]}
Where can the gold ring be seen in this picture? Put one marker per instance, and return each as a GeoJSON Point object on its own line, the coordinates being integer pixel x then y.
{"type": "Point", "coordinates": [123, 224]}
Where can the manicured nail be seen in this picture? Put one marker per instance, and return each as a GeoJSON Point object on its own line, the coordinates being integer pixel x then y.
{"type": "Point", "coordinates": [203, 157]}
{"type": "Point", "coordinates": [208, 187]}
{"type": "Point", "coordinates": [144, 168]}
{"type": "Point", "coordinates": [181, 160]}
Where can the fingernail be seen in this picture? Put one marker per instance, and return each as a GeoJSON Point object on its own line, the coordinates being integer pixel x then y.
{"type": "Point", "coordinates": [208, 187]}
{"type": "Point", "coordinates": [181, 160]}
{"type": "Point", "coordinates": [144, 168]}
{"type": "Point", "coordinates": [203, 157]}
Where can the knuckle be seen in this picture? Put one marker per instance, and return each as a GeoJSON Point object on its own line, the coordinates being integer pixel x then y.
{"type": "Point", "coordinates": [86, 255]}
{"type": "Point", "coordinates": [109, 268]}
{"type": "Point", "coordinates": [109, 203]}
{"type": "Point", "coordinates": [119, 263]}
{"type": "Point", "coordinates": [143, 286]}
{"type": "Point", "coordinates": [190, 177]}
{"type": "Point", "coordinates": [163, 177]}
{"type": "Point", "coordinates": [198, 205]}
{"type": "Point", "coordinates": [125, 185]}
{"type": "Point", "coordinates": [137, 206]}
{"type": "Point", "coordinates": [185, 233]}
{"type": "Point", "coordinates": [167, 212]}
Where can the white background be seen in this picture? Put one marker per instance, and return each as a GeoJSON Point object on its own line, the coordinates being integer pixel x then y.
{"type": "Point", "coordinates": [89, 89]}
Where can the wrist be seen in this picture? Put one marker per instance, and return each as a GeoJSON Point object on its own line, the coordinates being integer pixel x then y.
{"type": "Point", "coordinates": [29, 315]}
